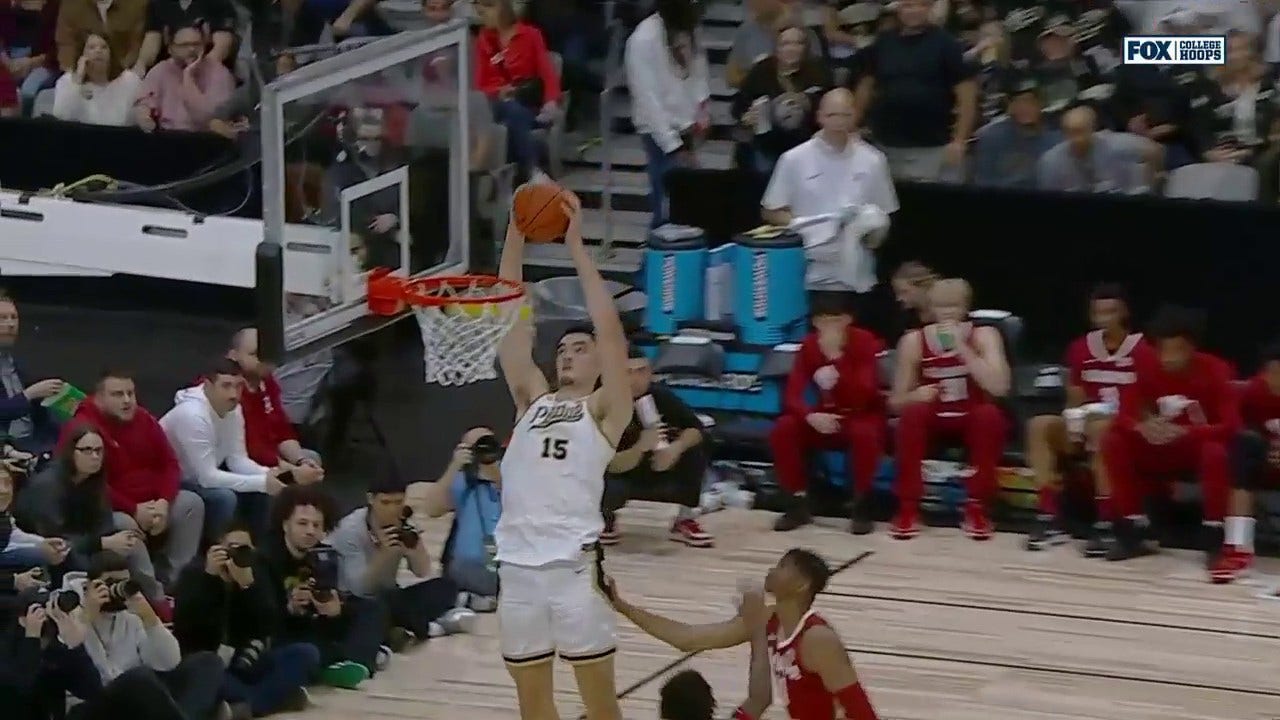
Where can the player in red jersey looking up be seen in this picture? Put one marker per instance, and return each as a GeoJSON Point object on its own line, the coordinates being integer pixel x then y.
{"type": "Point", "coordinates": [948, 372]}
{"type": "Point", "coordinates": [687, 695]}
{"type": "Point", "coordinates": [1178, 418]}
{"type": "Point", "coordinates": [813, 674]}
{"type": "Point", "coordinates": [1098, 364]}
{"type": "Point", "coordinates": [1256, 457]}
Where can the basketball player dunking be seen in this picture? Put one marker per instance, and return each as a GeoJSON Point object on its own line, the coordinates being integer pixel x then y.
{"type": "Point", "coordinates": [551, 597]}
{"type": "Point", "coordinates": [810, 664]}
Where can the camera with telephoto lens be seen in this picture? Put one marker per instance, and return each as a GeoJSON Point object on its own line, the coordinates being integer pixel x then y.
{"type": "Point", "coordinates": [405, 532]}
{"type": "Point", "coordinates": [118, 593]}
{"type": "Point", "coordinates": [320, 572]}
{"type": "Point", "coordinates": [486, 450]}
{"type": "Point", "coordinates": [240, 555]}
{"type": "Point", "coordinates": [64, 600]}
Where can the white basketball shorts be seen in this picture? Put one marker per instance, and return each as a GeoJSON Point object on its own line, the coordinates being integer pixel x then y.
{"type": "Point", "coordinates": [556, 609]}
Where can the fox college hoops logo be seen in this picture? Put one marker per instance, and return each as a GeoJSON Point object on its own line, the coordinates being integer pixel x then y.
{"type": "Point", "coordinates": [1175, 50]}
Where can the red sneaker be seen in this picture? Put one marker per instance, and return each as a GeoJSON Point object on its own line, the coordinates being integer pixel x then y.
{"type": "Point", "coordinates": [1231, 564]}
{"type": "Point", "coordinates": [689, 531]}
{"type": "Point", "coordinates": [976, 524]}
{"type": "Point", "coordinates": [610, 535]}
{"type": "Point", "coordinates": [906, 524]}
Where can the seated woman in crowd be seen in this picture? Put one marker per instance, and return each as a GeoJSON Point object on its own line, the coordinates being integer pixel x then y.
{"type": "Point", "coordinates": [1235, 104]}
{"type": "Point", "coordinates": [514, 69]}
{"type": "Point", "coordinates": [68, 500]}
{"type": "Point", "coordinates": [777, 101]}
{"type": "Point", "coordinates": [99, 91]}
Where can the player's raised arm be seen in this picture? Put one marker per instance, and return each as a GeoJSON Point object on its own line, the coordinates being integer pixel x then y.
{"type": "Point", "coordinates": [683, 636]}
{"type": "Point", "coordinates": [760, 676]}
{"type": "Point", "coordinates": [612, 404]}
{"type": "Point", "coordinates": [515, 352]}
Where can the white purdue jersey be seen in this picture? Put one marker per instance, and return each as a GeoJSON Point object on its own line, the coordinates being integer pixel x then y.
{"type": "Point", "coordinates": [552, 483]}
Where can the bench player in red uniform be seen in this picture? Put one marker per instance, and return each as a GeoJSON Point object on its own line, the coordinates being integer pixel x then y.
{"type": "Point", "coordinates": [1256, 458]}
{"type": "Point", "coordinates": [1179, 417]}
{"type": "Point", "coordinates": [814, 676]}
{"type": "Point", "coordinates": [1098, 365]}
{"type": "Point", "coordinates": [687, 695]}
{"type": "Point", "coordinates": [947, 373]}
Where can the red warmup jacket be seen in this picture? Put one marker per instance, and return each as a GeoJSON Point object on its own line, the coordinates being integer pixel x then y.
{"type": "Point", "coordinates": [265, 423]}
{"type": "Point", "coordinates": [526, 57]}
{"type": "Point", "coordinates": [856, 391]}
{"type": "Point", "coordinates": [1214, 412]}
{"type": "Point", "coordinates": [140, 464]}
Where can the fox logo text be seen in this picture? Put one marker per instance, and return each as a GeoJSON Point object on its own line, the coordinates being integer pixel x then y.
{"type": "Point", "coordinates": [1175, 50]}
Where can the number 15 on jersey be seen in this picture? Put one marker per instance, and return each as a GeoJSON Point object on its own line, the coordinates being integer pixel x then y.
{"type": "Point", "coordinates": [555, 448]}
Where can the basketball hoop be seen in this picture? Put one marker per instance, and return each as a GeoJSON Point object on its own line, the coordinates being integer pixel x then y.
{"type": "Point", "coordinates": [463, 318]}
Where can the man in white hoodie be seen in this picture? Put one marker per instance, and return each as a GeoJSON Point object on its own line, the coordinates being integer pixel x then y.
{"type": "Point", "coordinates": [125, 633]}
{"type": "Point", "coordinates": [206, 429]}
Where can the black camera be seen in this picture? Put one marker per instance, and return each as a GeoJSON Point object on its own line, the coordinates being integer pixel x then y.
{"type": "Point", "coordinates": [240, 555]}
{"type": "Point", "coordinates": [486, 450]}
{"type": "Point", "coordinates": [64, 600]}
{"type": "Point", "coordinates": [405, 532]}
{"type": "Point", "coordinates": [118, 593]}
{"type": "Point", "coordinates": [320, 572]}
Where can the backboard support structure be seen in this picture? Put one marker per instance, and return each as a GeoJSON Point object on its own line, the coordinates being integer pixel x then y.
{"type": "Point", "coordinates": [344, 140]}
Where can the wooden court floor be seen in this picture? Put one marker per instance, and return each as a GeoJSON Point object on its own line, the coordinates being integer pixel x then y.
{"type": "Point", "coordinates": [940, 628]}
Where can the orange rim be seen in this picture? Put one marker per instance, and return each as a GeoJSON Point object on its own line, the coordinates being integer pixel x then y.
{"type": "Point", "coordinates": [446, 289]}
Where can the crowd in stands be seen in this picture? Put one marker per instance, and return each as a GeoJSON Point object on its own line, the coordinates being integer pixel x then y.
{"type": "Point", "coordinates": [195, 566]}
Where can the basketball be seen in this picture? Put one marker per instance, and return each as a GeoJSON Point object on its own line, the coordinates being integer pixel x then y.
{"type": "Point", "coordinates": [539, 217]}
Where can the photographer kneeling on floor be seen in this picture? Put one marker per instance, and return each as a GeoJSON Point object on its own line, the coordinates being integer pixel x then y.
{"type": "Point", "coordinates": [304, 574]}
{"type": "Point", "coordinates": [372, 541]}
{"type": "Point", "coordinates": [125, 633]}
{"type": "Point", "coordinates": [225, 600]}
{"type": "Point", "coordinates": [43, 660]}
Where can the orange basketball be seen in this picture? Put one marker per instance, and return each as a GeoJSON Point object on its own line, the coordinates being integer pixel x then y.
{"type": "Point", "coordinates": [539, 216]}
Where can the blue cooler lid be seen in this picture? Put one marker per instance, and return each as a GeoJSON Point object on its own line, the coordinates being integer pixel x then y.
{"type": "Point", "coordinates": [677, 237]}
{"type": "Point", "coordinates": [769, 238]}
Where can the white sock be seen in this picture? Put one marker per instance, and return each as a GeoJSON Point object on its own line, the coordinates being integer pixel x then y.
{"type": "Point", "coordinates": [686, 513]}
{"type": "Point", "coordinates": [1239, 532]}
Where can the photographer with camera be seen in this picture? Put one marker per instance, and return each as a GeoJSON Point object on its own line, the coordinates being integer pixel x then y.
{"type": "Point", "coordinates": [373, 541]}
{"type": "Point", "coordinates": [471, 487]}
{"type": "Point", "coordinates": [125, 633]}
{"type": "Point", "coordinates": [225, 599]}
{"type": "Point", "coordinates": [304, 577]}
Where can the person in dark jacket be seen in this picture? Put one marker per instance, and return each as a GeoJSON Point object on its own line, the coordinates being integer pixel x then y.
{"type": "Point", "coordinates": [24, 421]}
{"type": "Point", "coordinates": [226, 599]}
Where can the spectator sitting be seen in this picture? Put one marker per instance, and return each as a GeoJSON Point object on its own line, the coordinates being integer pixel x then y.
{"type": "Point", "coordinates": [217, 18]}
{"type": "Point", "coordinates": [1092, 161]}
{"type": "Point", "coordinates": [1154, 101]}
{"type": "Point", "coordinates": [226, 599]}
{"type": "Point", "coordinates": [1235, 105]}
{"type": "Point", "coordinates": [1008, 151]}
{"type": "Point", "coordinates": [43, 660]}
{"type": "Point", "coordinates": [777, 101]}
{"type": "Point", "coordinates": [24, 422]}
{"type": "Point", "coordinates": [183, 92]}
{"type": "Point", "coordinates": [437, 12]}
{"type": "Point", "coordinates": [372, 541]}
{"type": "Point", "coordinates": [832, 402]}
{"type": "Point", "coordinates": [755, 38]}
{"type": "Point", "coordinates": [270, 439]}
{"type": "Point", "coordinates": [23, 555]}
{"type": "Point", "coordinates": [1179, 418]}
{"type": "Point", "coordinates": [947, 376]}
{"type": "Point", "coordinates": [369, 154]}
{"type": "Point", "coordinates": [98, 91]}
{"type": "Point", "coordinates": [206, 429]}
{"type": "Point", "coordinates": [27, 35]}
{"type": "Point", "coordinates": [70, 500]}
{"type": "Point", "coordinates": [666, 68]}
{"type": "Point", "coordinates": [121, 22]}
{"type": "Point", "coordinates": [925, 97]}
{"type": "Point", "coordinates": [471, 487]}
{"type": "Point", "coordinates": [125, 633]}
{"type": "Point", "coordinates": [431, 123]}
{"type": "Point", "coordinates": [1063, 75]}
{"type": "Point", "coordinates": [514, 69]}
{"type": "Point", "coordinates": [304, 575]}
{"type": "Point", "coordinates": [660, 457]}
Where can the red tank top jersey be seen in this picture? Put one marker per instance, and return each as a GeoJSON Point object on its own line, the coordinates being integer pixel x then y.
{"type": "Point", "coordinates": [957, 390]}
{"type": "Point", "coordinates": [1102, 374]}
{"type": "Point", "coordinates": [800, 690]}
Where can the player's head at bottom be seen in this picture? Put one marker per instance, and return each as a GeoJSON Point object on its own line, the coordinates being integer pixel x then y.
{"type": "Point", "coordinates": [686, 696]}
{"type": "Point", "coordinates": [577, 364]}
{"type": "Point", "coordinates": [799, 575]}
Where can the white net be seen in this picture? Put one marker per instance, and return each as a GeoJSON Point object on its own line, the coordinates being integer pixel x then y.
{"type": "Point", "coordinates": [460, 340]}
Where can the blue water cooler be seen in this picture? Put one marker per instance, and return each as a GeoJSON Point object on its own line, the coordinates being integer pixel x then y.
{"type": "Point", "coordinates": [675, 266]}
{"type": "Point", "coordinates": [770, 305]}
